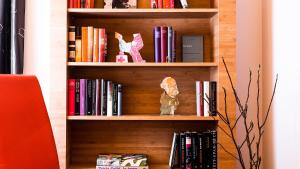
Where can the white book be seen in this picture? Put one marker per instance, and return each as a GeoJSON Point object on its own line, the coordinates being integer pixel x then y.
{"type": "Point", "coordinates": [119, 99]}
{"type": "Point", "coordinates": [206, 99]}
{"type": "Point", "coordinates": [109, 98]}
{"type": "Point", "coordinates": [198, 97]}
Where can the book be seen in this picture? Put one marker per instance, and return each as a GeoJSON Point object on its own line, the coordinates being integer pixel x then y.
{"type": "Point", "coordinates": [182, 152]}
{"type": "Point", "coordinates": [90, 41]}
{"type": "Point", "coordinates": [96, 45]}
{"type": "Point", "coordinates": [214, 150]}
{"type": "Point", "coordinates": [199, 98]}
{"type": "Point", "coordinates": [126, 161]}
{"type": "Point", "coordinates": [206, 100]}
{"type": "Point", "coordinates": [164, 43]}
{"type": "Point", "coordinates": [157, 44]}
{"type": "Point", "coordinates": [173, 153]}
{"type": "Point", "coordinates": [102, 45]}
{"type": "Point", "coordinates": [153, 3]}
{"type": "Point", "coordinates": [78, 44]}
{"type": "Point", "coordinates": [109, 98]}
{"type": "Point", "coordinates": [159, 3]}
{"type": "Point", "coordinates": [78, 3]}
{"type": "Point", "coordinates": [172, 4]}
{"type": "Point", "coordinates": [71, 3]}
{"type": "Point", "coordinates": [77, 97]}
{"type": "Point", "coordinates": [207, 163]}
{"type": "Point", "coordinates": [89, 97]}
{"type": "Point", "coordinates": [82, 97]}
{"type": "Point", "coordinates": [94, 93]}
{"type": "Point", "coordinates": [103, 97]}
{"type": "Point", "coordinates": [166, 4]}
{"type": "Point", "coordinates": [115, 100]}
{"type": "Point", "coordinates": [119, 99]}
{"type": "Point", "coordinates": [120, 4]}
{"type": "Point", "coordinates": [84, 44]}
{"type": "Point", "coordinates": [173, 46]}
{"type": "Point", "coordinates": [71, 98]}
{"type": "Point", "coordinates": [213, 98]}
{"type": "Point", "coordinates": [134, 160]}
{"type": "Point", "coordinates": [200, 148]}
{"type": "Point", "coordinates": [170, 44]}
{"type": "Point", "coordinates": [195, 153]}
{"type": "Point", "coordinates": [71, 44]}
{"type": "Point", "coordinates": [118, 167]}
{"type": "Point", "coordinates": [192, 48]}
{"type": "Point", "coordinates": [109, 160]}
{"type": "Point", "coordinates": [82, 3]}
{"type": "Point", "coordinates": [98, 97]}
{"type": "Point", "coordinates": [188, 150]}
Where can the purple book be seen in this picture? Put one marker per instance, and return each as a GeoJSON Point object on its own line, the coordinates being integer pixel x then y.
{"type": "Point", "coordinates": [157, 46]}
{"type": "Point", "coordinates": [98, 96]}
{"type": "Point", "coordinates": [82, 97]}
{"type": "Point", "coordinates": [164, 43]}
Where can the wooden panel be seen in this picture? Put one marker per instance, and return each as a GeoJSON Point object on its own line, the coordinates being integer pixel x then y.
{"type": "Point", "coordinates": [154, 138]}
{"type": "Point", "coordinates": [113, 64]}
{"type": "Point", "coordinates": [130, 26]}
{"type": "Point", "coordinates": [141, 86]}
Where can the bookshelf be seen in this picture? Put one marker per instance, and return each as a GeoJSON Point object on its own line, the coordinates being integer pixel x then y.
{"type": "Point", "coordinates": [141, 129]}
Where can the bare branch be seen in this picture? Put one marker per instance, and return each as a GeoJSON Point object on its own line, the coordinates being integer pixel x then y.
{"type": "Point", "coordinates": [236, 121]}
{"type": "Point", "coordinates": [228, 152]}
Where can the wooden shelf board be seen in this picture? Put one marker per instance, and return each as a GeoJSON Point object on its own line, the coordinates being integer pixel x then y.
{"type": "Point", "coordinates": [81, 166]}
{"type": "Point", "coordinates": [145, 118]}
{"type": "Point", "coordinates": [113, 64]}
{"type": "Point", "coordinates": [145, 13]}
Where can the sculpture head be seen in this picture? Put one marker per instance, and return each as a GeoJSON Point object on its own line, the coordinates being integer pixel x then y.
{"type": "Point", "coordinates": [170, 87]}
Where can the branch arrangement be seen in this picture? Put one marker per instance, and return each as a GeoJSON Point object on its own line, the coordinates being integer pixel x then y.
{"type": "Point", "coordinates": [250, 138]}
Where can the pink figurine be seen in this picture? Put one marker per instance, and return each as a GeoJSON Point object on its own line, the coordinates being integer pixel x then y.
{"type": "Point", "coordinates": [132, 47]}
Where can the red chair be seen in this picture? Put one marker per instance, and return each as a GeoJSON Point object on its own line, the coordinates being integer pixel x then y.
{"type": "Point", "coordinates": [26, 138]}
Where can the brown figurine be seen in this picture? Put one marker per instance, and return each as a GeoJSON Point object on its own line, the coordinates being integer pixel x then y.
{"type": "Point", "coordinates": [169, 98]}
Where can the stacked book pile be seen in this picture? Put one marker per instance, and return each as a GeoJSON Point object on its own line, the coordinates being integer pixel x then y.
{"type": "Point", "coordinates": [164, 44]}
{"type": "Point", "coordinates": [192, 150]}
{"type": "Point", "coordinates": [206, 98]}
{"type": "Point", "coordinates": [94, 97]}
{"type": "Point", "coordinates": [127, 161]}
{"type": "Point", "coordinates": [87, 44]}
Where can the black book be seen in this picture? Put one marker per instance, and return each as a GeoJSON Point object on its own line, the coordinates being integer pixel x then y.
{"type": "Point", "coordinates": [214, 150]}
{"type": "Point", "coordinates": [77, 97]}
{"type": "Point", "coordinates": [174, 150]}
{"type": "Point", "coordinates": [94, 92]}
{"type": "Point", "coordinates": [103, 97]}
{"type": "Point", "coordinates": [115, 100]}
{"type": "Point", "coordinates": [173, 46]}
{"type": "Point", "coordinates": [98, 97]}
{"type": "Point", "coordinates": [207, 162]}
{"type": "Point", "coordinates": [213, 98]}
{"type": "Point", "coordinates": [188, 150]}
{"type": "Point", "coordinates": [195, 153]}
{"type": "Point", "coordinates": [182, 151]}
{"type": "Point", "coordinates": [82, 3]}
{"type": "Point", "coordinates": [200, 151]}
{"type": "Point", "coordinates": [89, 97]}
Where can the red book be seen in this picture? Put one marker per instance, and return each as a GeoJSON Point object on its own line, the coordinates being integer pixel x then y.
{"type": "Point", "coordinates": [71, 3]}
{"type": "Point", "coordinates": [71, 84]}
{"type": "Point", "coordinates": [92, 3]}
{"type": "Point", "coordinates": [102, 44]}
{"type": "Point", "coordinates": [172, 4]}
{"type": "Point", "coordinates": [166, 3]}
{"type": "Point", "coordinates": [96, 45]}
{"type": "Point", "coordinates": [77, 3]}
{"type": "Point", "coordinates": [164, 43]}
{"type": "Point", "coordinates": [159, 3]}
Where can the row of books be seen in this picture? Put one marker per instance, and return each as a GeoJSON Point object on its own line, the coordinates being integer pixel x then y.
{"type": "Point", "coordinates": [94, 97]}
{"type": "Point", "coordinates": [192, 150]}
{"type": "Point", "coordinates": [206, 98]}
{"type": "Point", "coordinates": [87, 44]}
{"type": "Point", "coordinates": [126, 161]}
{"type": "Point", "coordinates": [81, 3]}
{"type": "Point", "coordinates": [164, 44]}
{"type": "Point", "coordinates": [162, 3]}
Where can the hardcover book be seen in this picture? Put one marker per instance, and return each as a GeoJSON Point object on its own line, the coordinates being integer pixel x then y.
{"type": "Point", "coordinates": [182, 152]}
{"type": "Point", "coordinates": [120, 4]}
{"type": "Point", "coordinates": [108, 160]}
{"type": "Point", "coordinates": [119, 99]}
{"type": "Point", "coordinates": [205, 98]}
{"type": "Point", "coordinates": [84, 44]}
{"type": "Point", "coordinates": [71, 44]}
{"type": "Point", "coordinates": [174, 151]}
{"type": "Point", "coordinates": [195, 151]}
{"type": "Point", "coordinates": [89, 97]}
{"type": "Point", "coordinates": [188, 150]}
{"type": "Point", "coordinates": [96, 45]}
{"type": "Point", "coordinates": [77, 97]}
{"type": "Point", "coordinates": [199, 98]}
{"type": "Point", "coordinates": [170, 44]}
{"type": "Point", "coordinates": [166, 4]}
{"type": "Point", "coordinates": [90, 43]}
{"type": "Point", "coordinates": [157, 44]}
{"type": "Point", "coordinates": [134, 160]}
{"type": "Point", "coordinates": [102, 45]}
{"type": "Point", "coordinates": [109, 98]}
{"type": "Point", "coordinates": [78, 44]}
{"type": "Point", "coordinates": [103, 97]}
{"type": "Point", "coordinates": [115, 100]}
{"type": "Point", "coordinates": [192, 48]}
{"type": "Point", "coordinates": [213, 98]}
{"type": "Point", "coordinates": [98, 97]}
{"type": "Point", "coordinates": [71, 85]}
{"type": "Point", "coordinates": [94, 93]}
{"type": "Point", "coordinates": [173, 46]}
{"type": "Point", "coordinates": [83, 97]}
{"type": "Point", "coordinates": [164, 43]}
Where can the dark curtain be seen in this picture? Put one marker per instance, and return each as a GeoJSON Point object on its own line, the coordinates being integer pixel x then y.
{"type": "Point", "coordinates": [12, 19]}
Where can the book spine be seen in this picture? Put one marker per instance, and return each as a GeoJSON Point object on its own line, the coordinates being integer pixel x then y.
{"type": "Point", "coordinates": [188, 150]}
{"type": "Point", "coordinates": [78, 44]}
{"type": "Point", "coordinates": [153, 3]}
{"type": "Point", "coordinates": [89, 97]}
{"type": "Point", "coordinates": [206, 100]}
{"type": "Point", "coordinates": [96, 45]}
{"type": "Point", "coordinates": [90, 43]}
{"type": "Point", "coordinates": [166, 3]}
{"type": "Point", "coordinates": [201, 98]}
{"type": "Point", "coordinates": [195, 150]}
{"type": "Point", "coordinates": [172, 4]}
{"type": "Point", "coordinates": [159, 3]}
{"type": "Point", "coordinates": [200, 153]}
{"type": "Point", "coordinates": [71, 44]}
{"type": "Point", "coordinates": [108, 167]}
{"type": "Point", "coordinates": [74, 3]}
{"type": "Point", "coordinates": [71, 86]}
{"type": "Point", "coordinates": [214, 150]}
{"type": "Point", "coordinates": [82, 97]}
{"type": "Point", "coordinates": [173, 151]}
{"type": "Point", "coordinates": [102, 45]}
{"type": "Point", "coordinates": [71, 3]}
{"type": "Point", "coordinates": [78, 3]}
{"type": "Point", "coordinates": [213, 98]}
{"type": "Point", "coordinates": [206, 150]}
{"type": "Point", "coordinates": [119, 99]}
{"type": "Point", "coordinates": [182, 152]}
{"type": "Point", "coordinates": [103, 97]}
{"type": "Point", "coordinates": [87, 4]}
{"type": "Point", "coordinates": [109, 98]}
{"type": "Point", "coordinates": [169, 52]}
{"type": "Point", "coordinates": [77, 97]}
{"type": "Point", "coordinates": [98, 97]}
{"type": "Point", "coordinates": [92, 3]}
{"type": "Point", "coordinates": [82, 3]}
{"type": "Point", "coordinates": [84, 44]}
{"type": "Point", "coordinates": [115, 100]}
{"type": "Point", "coordinates": [198, 98]}
{"type": "Point", "coordinates": [164, 44]}
{"type": "Point", "coordinates": [157, 44]}
{"type": "Point", "coordinates": [94, 101]}
{"type": "Point", "coordinates": [174, 46]}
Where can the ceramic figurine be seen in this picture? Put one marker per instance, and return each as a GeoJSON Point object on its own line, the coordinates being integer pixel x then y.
{"type": "Point", "coordinates": [169, 98]}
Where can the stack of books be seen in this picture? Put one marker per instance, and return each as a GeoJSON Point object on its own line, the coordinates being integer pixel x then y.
{"type": "Point", "coordinates": [127, 161]}
{"type": "Point", "coordinates": [94, 97]}
{"type": "Point", "coordinates": [206, 98]}
{"type": "Point", "coordinates": [164, 44]}
{"type": "Point", "coordinates": [162, 3]}
{"type": "Point", "coordinates": [81, 3]}
{"type": "Point", "coordinates": [192, 150]}
{"type": "Point", "coordinates": [87, 44]}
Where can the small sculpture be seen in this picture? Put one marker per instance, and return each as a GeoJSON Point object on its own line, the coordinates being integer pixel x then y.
{"type": "Point", "coordinates": [169, 98]}
{"type": "Point", "coordinates": [132, 47]}
{"type": "Point", "coordinates": [122, 58]}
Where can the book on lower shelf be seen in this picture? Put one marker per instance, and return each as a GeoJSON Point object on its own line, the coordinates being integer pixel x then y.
{"type": "Point", "coordinates": [206, 98]}
{"type": "Point", "coordinates": [125, 161]}
{"type": "Point", "coordinates": [194, 150]}
{"type": "Point", "coordinates": [94, 97]}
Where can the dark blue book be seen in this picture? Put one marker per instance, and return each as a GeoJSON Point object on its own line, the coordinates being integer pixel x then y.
{"type": "Point", "coordinates": [157, 44]}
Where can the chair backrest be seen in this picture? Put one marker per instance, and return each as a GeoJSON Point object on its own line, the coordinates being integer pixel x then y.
{"type": "Point", "coordinates": [26, 138]}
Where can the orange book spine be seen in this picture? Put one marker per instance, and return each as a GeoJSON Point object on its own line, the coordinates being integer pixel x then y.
{"type": "Point", "coordinates": [102, 45]}
{"type": "Point", "coordinates": [78, 3]}
{"type": "Point", "coordinates": [92, 3]}
{"type": "Point", "coordinates": [84, 44]}
{"type": "Point", "coordinates": [166, 4]}
{"type": "Point", "coordinates": [96, 45]}
{"type": "Point", "coordinates": [78, 44]}
{"type": "Point", "coordinates": [90, 43]}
